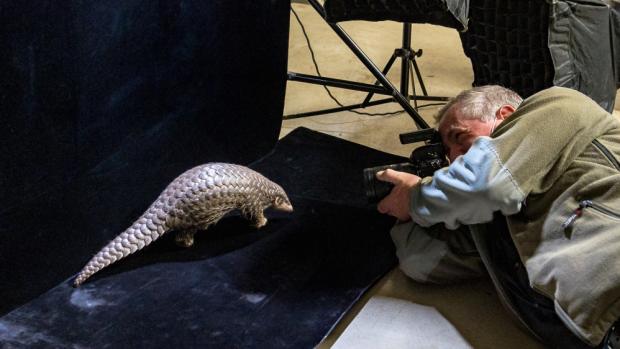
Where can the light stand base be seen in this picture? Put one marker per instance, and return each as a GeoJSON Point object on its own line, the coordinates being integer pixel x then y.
{"type": "Point", "coordinates": [382, 85]}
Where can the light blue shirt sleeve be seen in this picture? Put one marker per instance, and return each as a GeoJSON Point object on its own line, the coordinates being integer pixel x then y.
{"type": "Point", "coordinates": [468, 191]}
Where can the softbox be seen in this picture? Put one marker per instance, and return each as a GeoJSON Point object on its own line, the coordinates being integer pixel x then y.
{"type": "Point", "coordinates": [448, 13]}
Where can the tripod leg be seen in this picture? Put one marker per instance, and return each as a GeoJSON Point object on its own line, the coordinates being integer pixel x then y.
{"type": "Point", "coordinates": [415, 95]}
{"type": "Point", "coordinates": [385, 71]}
{"type": "Point", "coordinates": [417, 73]}
{"type": "Point", "coordinates": [369, 64]}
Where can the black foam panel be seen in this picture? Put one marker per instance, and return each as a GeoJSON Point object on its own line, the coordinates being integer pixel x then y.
{"type": "Point", "coordinates": [507, 42]}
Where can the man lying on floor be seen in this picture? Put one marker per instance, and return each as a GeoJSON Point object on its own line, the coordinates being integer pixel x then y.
{"type": "Point", "coordinates": [532, 194]}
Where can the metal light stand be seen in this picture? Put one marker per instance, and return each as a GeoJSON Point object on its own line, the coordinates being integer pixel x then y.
{"type": "Point", "coordinates": [382, 86]}
{"type": "Point", "coordinates": [408, 64]}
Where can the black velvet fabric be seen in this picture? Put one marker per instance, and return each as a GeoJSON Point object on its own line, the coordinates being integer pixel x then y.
{"type": "Point", "coordinates": [102, 103]}
{"type": "Point", "coordinates": [323, 168]}
{"type": "Point", "coordinates": [283, 286]}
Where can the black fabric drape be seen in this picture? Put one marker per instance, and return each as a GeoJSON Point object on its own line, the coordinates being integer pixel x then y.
{"type": "Point", "coordinates": [102, 103]}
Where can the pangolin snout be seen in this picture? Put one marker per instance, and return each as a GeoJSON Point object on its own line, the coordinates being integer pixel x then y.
{"type": "Point", "coordinates": [285, 206]}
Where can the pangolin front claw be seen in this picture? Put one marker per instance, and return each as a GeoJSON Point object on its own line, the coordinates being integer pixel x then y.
{"type": "Point", "coordinates": [260, 222]}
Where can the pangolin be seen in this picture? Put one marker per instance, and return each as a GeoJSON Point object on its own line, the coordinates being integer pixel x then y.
{"type": "Point", "coordinates": [193, 201]}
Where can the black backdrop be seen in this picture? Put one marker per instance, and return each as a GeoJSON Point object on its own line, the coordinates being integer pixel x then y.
{"type": "Point", "coordinates": [102, 103]}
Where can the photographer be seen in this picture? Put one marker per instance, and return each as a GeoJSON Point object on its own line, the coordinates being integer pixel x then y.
{"type": "Point", "coordinates": [534, 188]}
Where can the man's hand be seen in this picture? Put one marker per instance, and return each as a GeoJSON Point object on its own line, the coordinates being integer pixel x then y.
{"type": "Point", "coordinates": [397, 202]}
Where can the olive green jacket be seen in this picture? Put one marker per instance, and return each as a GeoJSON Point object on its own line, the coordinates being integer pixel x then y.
{"type": "Point", "coordinates": [552, 169]}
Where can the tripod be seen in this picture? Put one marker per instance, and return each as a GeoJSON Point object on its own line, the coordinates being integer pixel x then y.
{"type": "Point", "coordinates": [408, 65]}
{"type": "Point", "coordinates": [382, 85]}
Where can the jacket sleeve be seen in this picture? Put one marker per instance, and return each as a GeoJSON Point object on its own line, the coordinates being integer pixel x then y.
{"type": "Point", "coordinates": [528, 152]}
{"type": "Point", "coordinates": [468, 191]}
{"type": "Point", "coordinates": [435, 254]}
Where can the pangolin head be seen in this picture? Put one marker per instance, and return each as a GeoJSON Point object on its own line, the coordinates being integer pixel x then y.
{"type": "Point", "coordinates": [280, 201]}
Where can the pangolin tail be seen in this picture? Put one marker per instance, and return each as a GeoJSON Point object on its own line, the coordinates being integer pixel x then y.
{"type": "Point", "coordinates": [148, 228]}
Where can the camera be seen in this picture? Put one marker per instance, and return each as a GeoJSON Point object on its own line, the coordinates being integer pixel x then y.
{"type": "Point", "coordinates": [423, 162]}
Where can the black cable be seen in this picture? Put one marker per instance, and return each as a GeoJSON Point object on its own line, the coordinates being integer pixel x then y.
{"type": "Point", "coordinates": [318, 72]}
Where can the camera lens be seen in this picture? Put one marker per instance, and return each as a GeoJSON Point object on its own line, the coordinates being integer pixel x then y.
{"type": "Point", "coordinates": [374, 188]}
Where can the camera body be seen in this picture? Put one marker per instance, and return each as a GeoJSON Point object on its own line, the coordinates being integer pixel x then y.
{"type": "Point", "coordinates": [423, 162]}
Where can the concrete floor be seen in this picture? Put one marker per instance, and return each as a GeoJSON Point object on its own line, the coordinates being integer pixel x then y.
{"type": "Point", "coordinates": [471, 308]}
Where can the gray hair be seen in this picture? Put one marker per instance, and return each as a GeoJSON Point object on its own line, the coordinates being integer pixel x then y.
{"type": "Point", "coordinates": [481, 102]}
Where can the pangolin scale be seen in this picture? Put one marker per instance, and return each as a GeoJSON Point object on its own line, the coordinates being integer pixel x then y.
{"type": "Point", "coordinates": [193, 201]}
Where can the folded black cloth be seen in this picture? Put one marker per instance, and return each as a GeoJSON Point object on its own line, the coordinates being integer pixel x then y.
{"type": "Point", "coordinates": [283, 286]}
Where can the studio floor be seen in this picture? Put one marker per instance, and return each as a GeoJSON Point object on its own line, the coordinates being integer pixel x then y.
{"type": "Point", "coordinates": [397, 312]}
